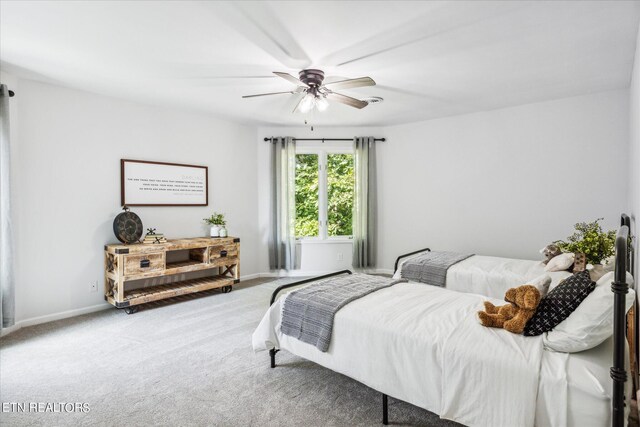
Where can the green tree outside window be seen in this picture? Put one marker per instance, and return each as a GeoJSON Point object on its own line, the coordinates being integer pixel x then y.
{"type": "Point", "coordinates": [339, 193]}
{"type": "Point", "coordinates": [307, 195]}
{"type": "Point", "coordinates": [340, 182]}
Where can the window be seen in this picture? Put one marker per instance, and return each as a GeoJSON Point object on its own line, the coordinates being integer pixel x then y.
{"type": "Point", "coordinates": [339, 194]}
{"type": "Point", "coordinates": [307, 196]}
{"type": "Point", "coordinates": [324, 193]}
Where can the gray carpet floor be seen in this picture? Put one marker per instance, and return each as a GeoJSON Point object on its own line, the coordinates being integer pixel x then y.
{"type": "Point", "coordinates": [181, 363]}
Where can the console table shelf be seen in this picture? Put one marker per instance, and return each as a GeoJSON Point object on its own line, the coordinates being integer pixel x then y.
{"type": "Point", "coordinates": [125, 263]}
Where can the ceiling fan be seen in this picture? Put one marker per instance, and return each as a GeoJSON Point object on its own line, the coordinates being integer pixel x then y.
{"type": "Point", "coordinates": [317, 94]}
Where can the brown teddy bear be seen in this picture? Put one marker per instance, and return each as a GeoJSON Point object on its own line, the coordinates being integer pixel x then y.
{"type": "Point", "coordinates": [514, 316]}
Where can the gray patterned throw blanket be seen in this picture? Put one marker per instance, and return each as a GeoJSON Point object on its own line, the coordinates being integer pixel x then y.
{"type": "Point", "coordinates": [308, 313]}
{"type": "Point", "coordinates": [431, 267]}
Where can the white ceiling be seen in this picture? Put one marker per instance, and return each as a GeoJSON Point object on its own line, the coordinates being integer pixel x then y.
{"type": "Point", "coordinates": [429, 59]}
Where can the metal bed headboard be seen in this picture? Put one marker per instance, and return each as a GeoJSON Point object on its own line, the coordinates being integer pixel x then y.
{"type": "Point", "coordinates": [625, 220]}
{"type": "Point", "coordinates": [620, 288]}
{"type": "Point", "coordinates": [395, 267]}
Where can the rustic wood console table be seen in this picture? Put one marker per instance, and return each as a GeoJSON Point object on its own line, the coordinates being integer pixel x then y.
{"type": "Point", "coordinates": [163, 263]}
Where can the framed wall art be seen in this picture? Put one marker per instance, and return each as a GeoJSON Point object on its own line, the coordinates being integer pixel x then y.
{"type": "Point", "coordinates": [145, 183]}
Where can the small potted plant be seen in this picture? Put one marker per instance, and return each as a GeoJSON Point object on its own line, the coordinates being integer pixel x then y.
{"type": "Point", "coordinates": [216, 221]}
{"type": "Point", "coordinates": [589, 238]}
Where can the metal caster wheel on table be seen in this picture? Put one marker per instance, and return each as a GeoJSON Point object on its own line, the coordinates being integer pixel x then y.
{"type": "Point", "coordinates": [132, 309]}
{"type": "Point", "coordinates": [226, 289]}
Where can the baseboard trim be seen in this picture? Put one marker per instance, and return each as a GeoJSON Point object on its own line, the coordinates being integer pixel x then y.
{"type": "Point", "coordinates": [10, 329]}
{"type": "Point", "coordinates": [76, 312]}
{"type": "Point", "coordinates": [92, 309]}
{"type": "Point", "coordinates": [293, 273]}
{"type": "Point", "coordinates": [303, 273]}
{"type": "Point", "coordinates": [53, 317]}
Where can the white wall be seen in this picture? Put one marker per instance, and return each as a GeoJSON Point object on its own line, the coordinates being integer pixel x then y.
{"type": "Point", "coordinates": [634, 149]}
{"type": "Point", "coordinates": [66, 174]}
{"type": "Point", "coordinates": [313, 257]}
{"type": "Point", "coordinates": [504, 182]}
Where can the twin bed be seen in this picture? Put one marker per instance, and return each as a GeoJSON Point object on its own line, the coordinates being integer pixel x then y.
{"type": "Point", "coordinates": [423, 344]}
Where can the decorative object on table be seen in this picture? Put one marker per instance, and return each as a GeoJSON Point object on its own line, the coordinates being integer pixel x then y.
{"type": "Point", "coordinates": [591, 241]}
{"type": "Point", "coordinates": [561, 262]}
{"type": "Point", "coordinates": [144, 183]}
{"type": "Point", "coordinates": [216, 221]}
{"type": "Point", "coordinates": [127, 227]}
{"type": "Point", "coordinates": [549, 252]}
{"type": "Point", "coordinates": [580, 263]}
{"type": "Point", "coordinates": [154, 238]}
{"type": "Point", "coordinates": [513, 317]}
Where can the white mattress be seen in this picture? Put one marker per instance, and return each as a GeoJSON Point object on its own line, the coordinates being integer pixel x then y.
{"type": "Point", "coordinates": [493, 276]}
{"type": "Point", "coordinates": [581, 381]}
{"type": "Point", "coordinates": [395, 341]}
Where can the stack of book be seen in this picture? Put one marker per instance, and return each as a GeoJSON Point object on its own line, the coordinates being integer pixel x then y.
{"type": "Point", "coordinates": [154, 238]}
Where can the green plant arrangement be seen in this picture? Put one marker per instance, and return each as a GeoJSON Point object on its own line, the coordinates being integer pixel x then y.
{"type": "Point", "coordinates": [216, 219]}
{"type": "Point", "coordinates": [589, 239]}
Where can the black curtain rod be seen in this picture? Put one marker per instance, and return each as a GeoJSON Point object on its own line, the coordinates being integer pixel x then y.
{"type": "Point", "coordinates": [327, 139]}
{"type": "Point", "coordinates": [11, 93]}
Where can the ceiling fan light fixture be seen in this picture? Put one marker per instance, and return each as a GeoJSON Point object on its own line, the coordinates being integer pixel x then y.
{"type": "Point", "coordinates": [317, 94]}
{"type": "Point", "coordinates": [307, 103]}
{"type": "Point", "coordinates": [321, 103]}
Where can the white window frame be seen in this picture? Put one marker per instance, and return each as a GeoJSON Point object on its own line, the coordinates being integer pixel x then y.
{"type": "Point", "coordinates": [322, 151]}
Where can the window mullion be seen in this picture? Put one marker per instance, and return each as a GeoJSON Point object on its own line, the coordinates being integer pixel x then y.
{"type": "Point", "coordinates": [322, 193]}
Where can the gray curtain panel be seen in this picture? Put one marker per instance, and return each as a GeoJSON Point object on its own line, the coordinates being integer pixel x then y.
{"type": "Point", "coordinates": [365, 203]}
{"type": "Point", "coordinates": [7, 284]}
{"type": "Point", "coordinates": [282, 238]}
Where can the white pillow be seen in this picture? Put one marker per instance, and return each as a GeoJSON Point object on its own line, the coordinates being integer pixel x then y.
{"type": "Point", "coordinates": [541, 283]}
{"type": "Point", "coordinates": [591, 323]}
{"type": "Point", "coordinates": [560, 262]}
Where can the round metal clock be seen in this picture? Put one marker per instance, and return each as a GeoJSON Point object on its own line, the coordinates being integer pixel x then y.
{"type": "Point", "coordinates": [128, 227]}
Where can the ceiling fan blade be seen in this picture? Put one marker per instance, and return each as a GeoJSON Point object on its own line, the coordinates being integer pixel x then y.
{"type": "Point", "coordinates": [213, 81]}
{"type": "Point", "coordinates": [267, 94]}
{"type": "Point", "coordinates": [226, 77]}
{"type": "Point", "coordinates": [351, 83]}
{"type": "Point", "coordinates": [261, 26]}
{"type": "Point", "coordinates": [347, 100]}
{"type": "Point", "coordinates": [289, 78]}
{"type": "Point", "coordinates": [444, 18]}
{"type": "Point", "coordinates": [415, 94]}
{"type": "Point", "coordinates": [195, 70]}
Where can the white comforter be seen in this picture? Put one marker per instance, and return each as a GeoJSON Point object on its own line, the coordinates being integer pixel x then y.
{"type": "Point", "coordinates": [493, 276]}
{"type": "Point", "coordinates": [423, 345]}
